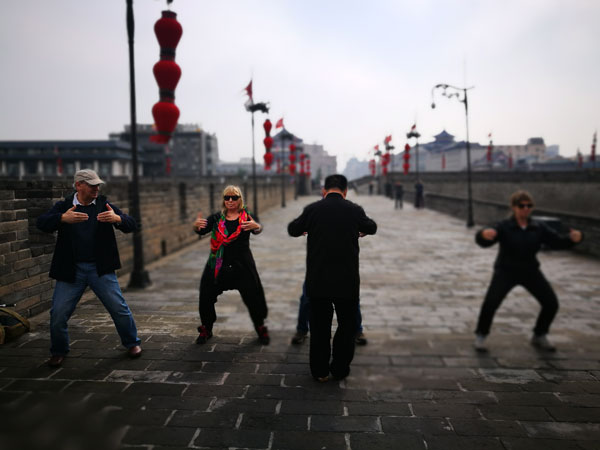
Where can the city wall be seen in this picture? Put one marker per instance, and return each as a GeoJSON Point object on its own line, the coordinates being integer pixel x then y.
{"type": "Point", "coordinates": [168, 209]}
{"type": "Point", "coordinates": [571, 197]}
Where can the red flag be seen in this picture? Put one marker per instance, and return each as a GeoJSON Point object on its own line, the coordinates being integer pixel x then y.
{"type": "Point", "coordinates": [249, 90]}
{"type": "Point", "coordinates": [279, 123]}
{"type": "Point", "coordinates": [387, 139]}
{"type": "Point", "coordinates": [414, 127]}
{"type": "Point", "coordinates": [376, 147]}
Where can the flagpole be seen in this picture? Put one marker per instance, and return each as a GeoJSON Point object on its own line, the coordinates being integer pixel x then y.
{"type": "Point", "coordinates": [282, 170]}
{"type": "Point", "coordinates": [254, 198]}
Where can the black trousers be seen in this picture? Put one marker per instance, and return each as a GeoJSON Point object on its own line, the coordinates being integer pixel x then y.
{"type": "Point", "coordinates": [239, 278]}
{"type": "Point", "coordinates": [321, 316]}
{"type": "Point", "coordinates": [501, 284]}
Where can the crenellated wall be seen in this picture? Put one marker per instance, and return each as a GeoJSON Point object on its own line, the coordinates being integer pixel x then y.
{"type": "Point", "coordinates": [168, 208]}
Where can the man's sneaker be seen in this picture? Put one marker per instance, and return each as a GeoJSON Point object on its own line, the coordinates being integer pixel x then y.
{"type": "Point", "coordinates": [299, 337]}
{"type": "Point", "coordinates": [542, 343]}
{"type": "Point", "coordinates": [479, 343]}
{"type": "Point", "coordinates": [361, 339]}
{"type": "Point", "coordinates": [263, 335]}
{"type": "Point", "coordinates": [204, 334]}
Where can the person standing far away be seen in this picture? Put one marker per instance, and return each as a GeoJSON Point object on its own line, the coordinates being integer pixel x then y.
{"type": "Point", "coordinates": [520, 238]}
{"type": "Point", "coordinates": [230, 264]}
{"type": "Point", "coordinates": [85, 255]}
{"type": "Point", "coordinates": [333, 226]}
{"type": "Point", "coordinates": [398, 194]}
{"type": "Point", "coordinates": [419, 196]}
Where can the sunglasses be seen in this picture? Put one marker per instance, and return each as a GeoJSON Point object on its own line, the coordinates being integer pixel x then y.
{"type": "Point", "coordinates": [231, 197]}
{"type": "Point", "coordinates": [525, 205]}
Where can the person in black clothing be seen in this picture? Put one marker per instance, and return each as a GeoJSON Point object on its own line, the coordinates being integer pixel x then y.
{"type": "Point", "coordinates": [86, 254]}
{"type": "Point", "coordinates": [419, 196]}
{"type": "Point", "coordinates": [520, 238]}
{"type": "Point", "coordinates": [398, 195]}
{"type": "Point", "coordinates": [230, 264]}
{"type": "Point", "coordinates": [333, 225]}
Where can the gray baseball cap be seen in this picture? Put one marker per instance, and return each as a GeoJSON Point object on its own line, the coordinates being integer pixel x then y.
{"type": "Point", "coordinates": [89, 176]}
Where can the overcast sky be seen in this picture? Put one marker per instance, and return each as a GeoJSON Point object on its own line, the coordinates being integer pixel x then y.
{"type": "Point", "coordinates": [342, 73]}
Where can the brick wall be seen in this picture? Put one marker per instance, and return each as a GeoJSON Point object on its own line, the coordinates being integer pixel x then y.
{"type": "Point", "coordinates": [168, 208]}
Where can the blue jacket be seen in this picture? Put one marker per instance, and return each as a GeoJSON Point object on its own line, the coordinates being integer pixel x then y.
{"type": "Point", "coordinates": [105, 245]}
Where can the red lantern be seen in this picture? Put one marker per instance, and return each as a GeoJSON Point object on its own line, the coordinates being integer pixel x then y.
{"type": "Point", "coordinates": [292, 147]}
{"type": "Point", "coordinates": [268, 160]}
{"type": "Point", "coordinates": [267, 126]}
{"type": "Point", "coordinates": [167, 73]}
{"type": "Point", "coordinates": [406, 156]}
{"type": "Point", "coordinates": [292, 157]}
{"type": "Point", "coordinates": [292, 169]}
{"type": "Point", "coordinates": [165, 116]}
{"type": "Point", "coordinates": [168, 32]}
{"type": "Point", "coordinates": [384, 170]}
{"type": "Point", "coordinates": [268, 141]}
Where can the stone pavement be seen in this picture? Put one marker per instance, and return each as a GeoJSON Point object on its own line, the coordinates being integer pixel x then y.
{"type": "Point", "coordinates": [418, 384]}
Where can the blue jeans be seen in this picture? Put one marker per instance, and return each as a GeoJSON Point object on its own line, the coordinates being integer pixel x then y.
{"type": "Point", "coordinates": [67, 295]}
{"type": "Point", "coordinates": [304, 314]}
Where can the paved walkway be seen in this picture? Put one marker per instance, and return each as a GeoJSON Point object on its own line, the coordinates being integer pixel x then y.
{"type": "Point", "coordinates": [418, 384]}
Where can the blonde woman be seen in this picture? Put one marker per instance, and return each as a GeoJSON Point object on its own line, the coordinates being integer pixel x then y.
{"type": "Point", "coordinates": [230, 264]}
{"type": "Point", "coordinates": [520, 238]}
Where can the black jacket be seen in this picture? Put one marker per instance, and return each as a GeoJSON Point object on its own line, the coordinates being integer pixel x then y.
{"type": "Point", "coordinates": [237, 253]}
{"type": "Point", "coordinates": [105, 245]}
{"type": "Point", "coordinates": [333, 225]}
{"type": "Point", "coordinates": [518, 247]}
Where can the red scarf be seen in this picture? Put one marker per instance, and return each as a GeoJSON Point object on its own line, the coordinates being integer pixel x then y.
{"type": "Point", "coordinates": [220, 238]}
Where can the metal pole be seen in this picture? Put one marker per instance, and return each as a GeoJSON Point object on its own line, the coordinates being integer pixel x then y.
{"type": "Point", "coordinates": [139, 277]}
{"type": "Point", "coordinates": [282, 171]}
{"type": "Point", "coordinates": [470, 221]}
{"type": "Point", "coordinates": [254, 199]}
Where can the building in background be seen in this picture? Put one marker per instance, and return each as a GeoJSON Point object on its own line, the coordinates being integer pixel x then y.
{"type": "Point", "coordinates": [191, 152]}
{"type": "Point", "coordinates": [356, 169]}
{"type": "Point", "coordinates": [108, 158]}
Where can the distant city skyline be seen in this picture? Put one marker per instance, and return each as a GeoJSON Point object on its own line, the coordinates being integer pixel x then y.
{"type": "Point", "coordinates": [342, 74]}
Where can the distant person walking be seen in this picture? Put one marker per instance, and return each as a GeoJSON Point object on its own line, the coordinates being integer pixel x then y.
{"type": "Point", "coordinates": [86, 254]}
{"type": "Point", "coordinates": [230, 264]}
{"type": "Point", "coordinates": [398, 195]}
{"type": "Point", "coordinates": [419, 195]}
{"type": "Point", "coordinates": [520, 238]}
{"type": "Point", "coordinates": [334, 225]}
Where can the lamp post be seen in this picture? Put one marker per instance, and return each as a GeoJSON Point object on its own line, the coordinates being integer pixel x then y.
{"type": "Point", "coordinates": [414, 133]}
{"type": "Point", "coordinates": [253, 107]}
{"type": "Point", "coordinates": [456, 92]}
{"type": "Point", "coordinates": [139, 277]}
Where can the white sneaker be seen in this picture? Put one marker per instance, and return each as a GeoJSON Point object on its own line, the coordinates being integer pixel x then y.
{"type": "Point", "coordinates": [542, 343]}
{"type": "Point", "coordinates": [479, 343]}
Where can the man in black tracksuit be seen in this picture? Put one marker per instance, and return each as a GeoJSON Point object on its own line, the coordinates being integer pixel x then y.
{"type": "Point", "coordinates": [333, 225]}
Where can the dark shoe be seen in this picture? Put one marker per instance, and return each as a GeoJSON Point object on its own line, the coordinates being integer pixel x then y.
{"type": "Point", "coordinates": [135, 351]}
{"type": "Point", "coordinates": [542, 343]}
{"type": "Point", "coordinates": [299, 337]}
{"type": "Point", "coordinates": [324, 379]}
{"type": "Point", "coordinates": [263, 335]}
{"type": "Point", "coordinates": [55, 360]}
{"type": "Point", "coordinates": [361, 339]}
{"type": "Point", "coordinates": [204, 335]}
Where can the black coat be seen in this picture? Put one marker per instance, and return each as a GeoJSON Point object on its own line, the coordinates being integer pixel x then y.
{"type": "Point", "coordinates": [518, 247]}
{"type": "Point", "coordinates": [333, 225]}
{"type": "Point", "coordinates": [237, 253]}
{"type": "Point", "coordinates": [105, 245]}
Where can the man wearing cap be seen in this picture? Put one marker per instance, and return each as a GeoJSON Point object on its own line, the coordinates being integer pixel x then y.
{"type": "Point", "coordinates": [86, 254]}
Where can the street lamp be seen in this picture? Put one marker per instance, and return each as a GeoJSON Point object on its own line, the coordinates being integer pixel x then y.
{"type": "Point", "coordinates": [457, 94]}
{"type": "Point", "coordinates": [253, 107]}
{"type": "Point", "coordinates": [139, 277]}
{"type": "Point", "coordinates": [414, 133]}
